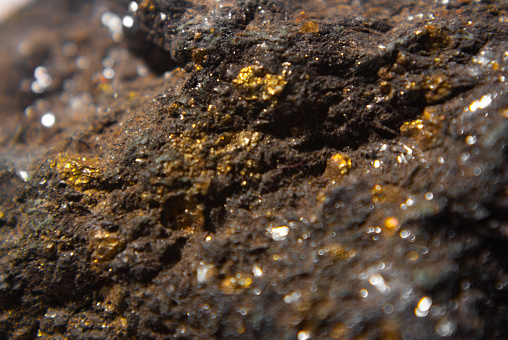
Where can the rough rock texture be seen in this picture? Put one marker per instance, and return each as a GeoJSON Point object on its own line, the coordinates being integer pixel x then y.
{"type": "Point", "coordinates": [254, 169]}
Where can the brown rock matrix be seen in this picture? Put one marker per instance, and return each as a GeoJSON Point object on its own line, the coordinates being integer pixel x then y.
{"type": "Point", "coordinates": [254, 169]}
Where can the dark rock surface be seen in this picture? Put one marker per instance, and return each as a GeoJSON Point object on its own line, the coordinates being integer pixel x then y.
{"type": "Point", "coordinates": [254, 169]}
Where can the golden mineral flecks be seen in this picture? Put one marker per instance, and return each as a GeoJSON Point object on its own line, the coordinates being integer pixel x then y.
{"type": "Point", "coordinates": [337, 251]}
{"type": "Point", "coordinates": [437, 88]}
{"type": "Point", "coordinates": [234, 284]}
{"type": "Point", "coordinates": [338, 165]}
{"type": "Point", "coordinates": [147, 5]}
{"type": "Point", "coordinates": [243, 140]}
{"type": "Point", "coordinates": [261, 85]}
{"type": "Point", "coordinates": [411, 126]}
{"type": "Point", "coordinates": [105, 245]}
{"type": "Point", "coordinates": [199, 56]}
{"type": "Point", "coordinates": [309, 27]}
{"type": "Point", "coordinates": [77, 171]}
{"type": "Point", "coordinates": [426, 128]}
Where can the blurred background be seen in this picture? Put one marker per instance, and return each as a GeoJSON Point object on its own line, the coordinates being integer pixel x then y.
{"type": "Point", "coordinates": [9, 6]}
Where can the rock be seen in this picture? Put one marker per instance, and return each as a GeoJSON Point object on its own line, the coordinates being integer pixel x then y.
{"type": "Point", "coordinates": [254, 169]}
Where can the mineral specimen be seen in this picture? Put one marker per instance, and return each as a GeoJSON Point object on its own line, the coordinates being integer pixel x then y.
{"type": "Point", "coordinates": [254, 169]}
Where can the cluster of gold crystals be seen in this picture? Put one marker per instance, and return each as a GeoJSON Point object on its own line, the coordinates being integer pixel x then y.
{"type": "Point", "coordinates": [105, 245]}
{"type": "Point", "coordinates": [193, 160]}
{"type": "Point", "coordinates": [261, 85]}
{"type": "Point", "coordinates": [437, 88]}
{"type": "Point", "coordinates": [197, 154]}
{"type": "Point", "coordinates": [242, 140]}
{"type": "Point", "coordinates": [77, 171]}
{"type": "Point", "coordinates": [309, 27]}
{"type": "Point", "coordinates": [425, 128]}
{"type": "Point", "coordinates": [234, 284]}
{"type": "Point", "coordinates": [147, 5]}
{"type": "Point", "coordinates": [378, 193]}
{"type": "Point", "coordinates": [412, 126]}
{"type": "Point", "coordinates": [338, 165]}
{"type": "Point", "coordinates": [82, 322]}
